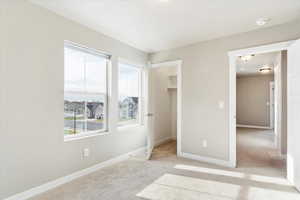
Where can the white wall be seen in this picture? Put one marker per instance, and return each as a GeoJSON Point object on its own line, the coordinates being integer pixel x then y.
{"type": "Point", "coordinates": [205, 79]}
{"type": "Point", "coordinates": [293, 106]}
{"type": "Point", "coordinates": [32, 147]}
{"type": "Point", "coordinates": [252, 98]}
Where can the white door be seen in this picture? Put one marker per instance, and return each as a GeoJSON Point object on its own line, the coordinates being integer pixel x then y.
{"type": "Point", "coordinates": [150, 112]}
{"type": "Point", "coordinates": [293, 154]}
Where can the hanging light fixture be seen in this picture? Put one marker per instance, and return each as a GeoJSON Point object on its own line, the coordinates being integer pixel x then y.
{"type": "Point", "coordinates": [265, 69]}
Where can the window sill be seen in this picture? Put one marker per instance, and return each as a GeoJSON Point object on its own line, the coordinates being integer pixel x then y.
{"type": "Point", "coordinates": [84, 135]}
{"type": "Point", "coordinates": [129, 126]}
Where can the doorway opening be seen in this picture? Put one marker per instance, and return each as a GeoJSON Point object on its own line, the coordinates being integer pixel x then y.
{"type": "Point", "coordinates": [286, 108]}
{"type": "Point", "coordinates": [260, 85]}
{"type": "Point", "coordinates": [164, 81]}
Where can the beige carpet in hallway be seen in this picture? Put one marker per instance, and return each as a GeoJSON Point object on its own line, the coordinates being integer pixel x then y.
{"type": "Point", "coordinates": [256, 152]}
{"type": "Point", "coordinates": [260, 176]}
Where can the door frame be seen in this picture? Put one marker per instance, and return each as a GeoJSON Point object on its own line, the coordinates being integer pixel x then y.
{"type": "Point", "coordinates": [233, 55]}
{"type": "Point", "coordinates": [272, 104]}
{"type": "Point", "coordinates": [178, 64]}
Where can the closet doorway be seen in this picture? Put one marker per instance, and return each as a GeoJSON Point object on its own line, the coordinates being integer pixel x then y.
{"type": "Point", "coordinates": [164, 109]}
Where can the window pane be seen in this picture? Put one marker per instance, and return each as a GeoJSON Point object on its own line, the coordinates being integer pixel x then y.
{"type": "Point", "coordinates": [95, 74]}
{"type": "Point", "coordinates": [95, 112]}
{"type": "Point", "coordinates": [129, 84]}
{"type": "Point", "coordinates": [85, 91]}
{"type": "Point", "coordinates": [74, 70]}
{"type": "Point", "coordinates": [74, 118]}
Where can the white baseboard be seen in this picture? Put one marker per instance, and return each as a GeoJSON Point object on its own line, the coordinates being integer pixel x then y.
{"type": "Point", "coordinates": [162, 141]}
{"type": "Point", "coordinates": [251, 126]}
{"type": "Point", "coordinates": [60, 181]}
{"type": "Point", "coordinates": [207, 159]}
{"type": "Point", "coordinates": [290, 169]}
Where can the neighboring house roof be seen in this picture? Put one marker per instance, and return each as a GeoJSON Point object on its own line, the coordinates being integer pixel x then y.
{"type": "Point", "coordinates": [130, 100]}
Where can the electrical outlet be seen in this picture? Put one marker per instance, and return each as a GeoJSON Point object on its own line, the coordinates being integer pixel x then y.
{"type": "Point", "coordinates": [86, 152]}
{"type": "Point", "coordinates": [204, 143]}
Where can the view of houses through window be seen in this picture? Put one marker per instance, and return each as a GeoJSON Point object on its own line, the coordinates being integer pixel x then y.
{"type": "Point", "coordinates": [129, 94]}
{"type": "Point", "coordinates": [85, 91]}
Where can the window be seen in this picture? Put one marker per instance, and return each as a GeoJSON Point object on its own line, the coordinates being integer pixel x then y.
{"type": "Point", "coordinates": [129, 94]}
{"type": "Point", "coordinates": [85, 91]}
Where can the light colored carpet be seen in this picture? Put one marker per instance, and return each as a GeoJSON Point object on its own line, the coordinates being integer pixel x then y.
{"type": "Point", "coordinates": [256, 152]}
{"type": "Point", "coordinates": [260, 176]}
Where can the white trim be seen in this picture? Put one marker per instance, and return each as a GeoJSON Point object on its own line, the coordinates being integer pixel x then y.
{"type": "Point", "coordinates": [86, 49]}
{"type": "Point", "coordinates": [272, 103]}
{"type": "Point", "coordinates": [63, 180]}
{"type": "Point", "coordinates": [129, 126]}
{"type": "Point", "coordinates": [132, 63]}
{"type": "Point", "coordinates": [292, 114]}
{"type": "Point", "coordinates": [177, 63]}
{"type": "Point", "coordinates": [261, 49]}
{"type": "Point", "coordinates": [168, 63]}
{"type": "Point", "coordinates": [179, 106]}
{"type": "Point", "coordinates": [290, 168]}
{"type": "Point", "coordinates": [147, 112]}
{"type": "Point", "coordinates": [232, 111]}
{"type": "Point", "coordinates": [207, 159]}
{"type": "Point", "coordinates": [233, 55]}
{"type": "Point", "coordinates": [68, 138]}
{"type": "Point", "coordinates": [278, 102]}
{"type": "Point", "coordinates": [251, 126]}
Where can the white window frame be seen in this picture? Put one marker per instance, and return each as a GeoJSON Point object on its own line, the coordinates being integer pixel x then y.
{"type": "Point", "coordinates": [105, 129]}
{"type": "Point", "coordinates": [140, 95]}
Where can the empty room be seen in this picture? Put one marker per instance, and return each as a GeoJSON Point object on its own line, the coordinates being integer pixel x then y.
{"type": "Point", "coordinates": [149, 100]}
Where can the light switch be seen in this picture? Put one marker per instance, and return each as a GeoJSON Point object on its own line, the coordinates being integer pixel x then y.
{"type": "Point", "coordinates": [221, 104]}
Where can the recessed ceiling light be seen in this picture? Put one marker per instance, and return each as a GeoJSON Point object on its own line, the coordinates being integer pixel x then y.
{"type": "Point", "coordinates": [247, 57]}
{"type": "Point", "coordinates": [265, 69]}
{"type": "Point", "coordinates": [262, 21]}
